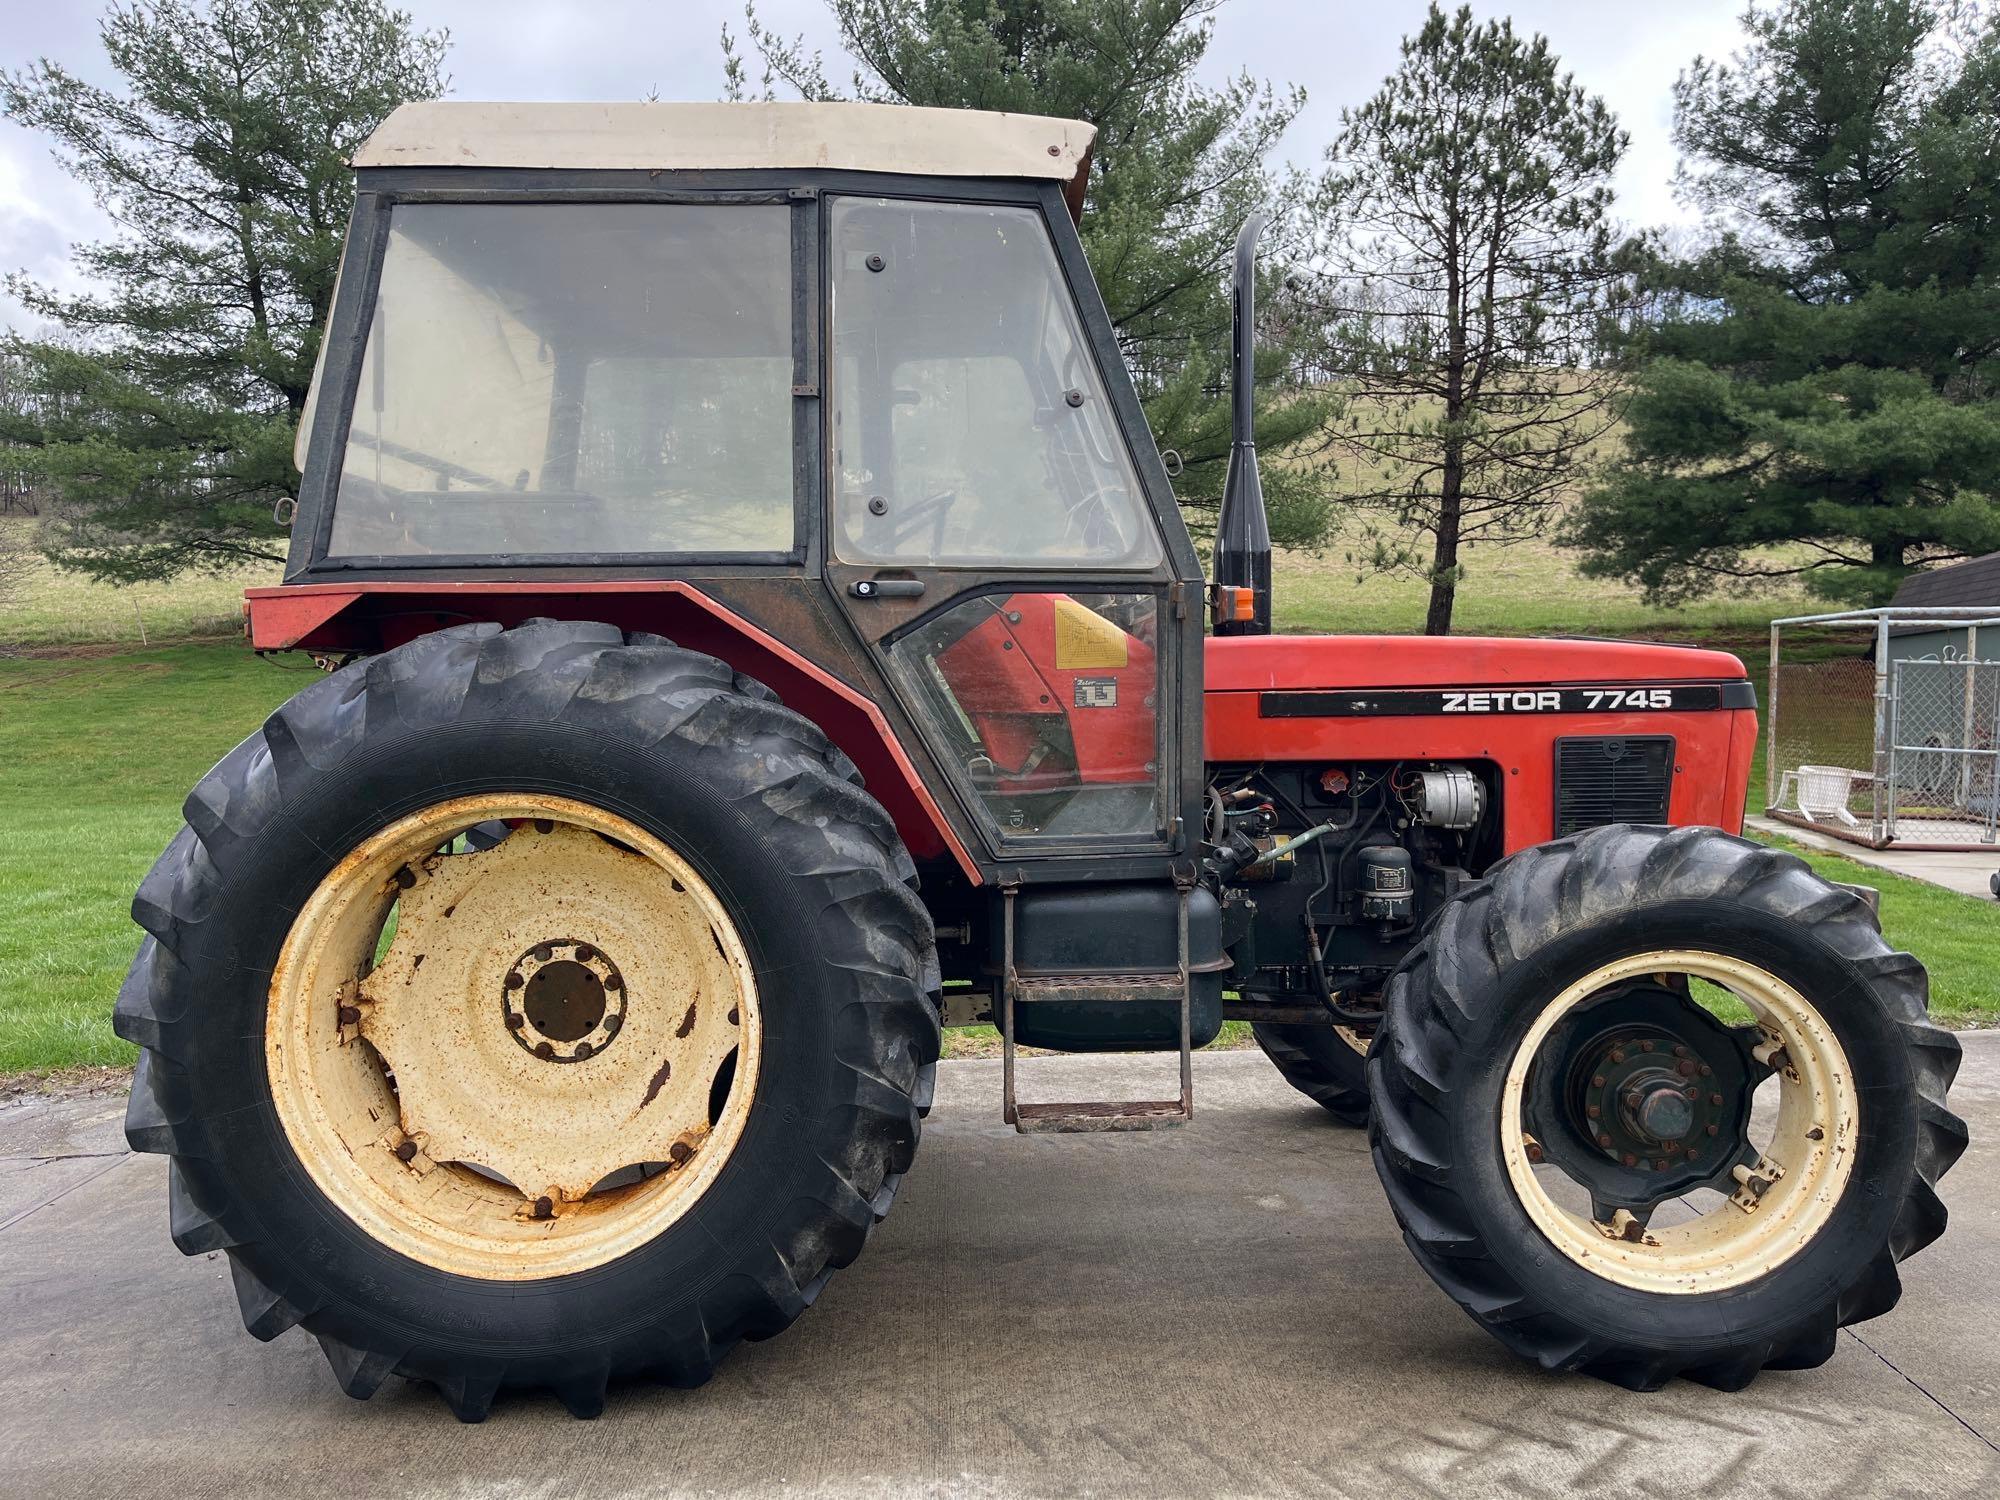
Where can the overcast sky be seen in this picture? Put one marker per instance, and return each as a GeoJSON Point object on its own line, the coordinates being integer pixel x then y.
{"type": "Point", "coordinates": [625, 49]}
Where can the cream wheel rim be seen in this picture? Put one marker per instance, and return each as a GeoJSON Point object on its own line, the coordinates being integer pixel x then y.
{"type": "Point", "coordinates": [548, 1064]}
{"type": "Point", "coordinates": [1781, 1203]}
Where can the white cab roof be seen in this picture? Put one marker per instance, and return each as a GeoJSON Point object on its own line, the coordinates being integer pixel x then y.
{"type": "Point", "coordinates": [725, 137]}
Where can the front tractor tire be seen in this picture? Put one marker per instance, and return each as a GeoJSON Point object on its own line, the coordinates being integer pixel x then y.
{"type": "Point", "coordinates": [531, 1008]}
{"type": "Point", "coordinates": [1659, 1101]}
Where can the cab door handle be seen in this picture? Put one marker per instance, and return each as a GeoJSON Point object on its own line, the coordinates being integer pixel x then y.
{"type": "Point", "coordinates": [886, 588]}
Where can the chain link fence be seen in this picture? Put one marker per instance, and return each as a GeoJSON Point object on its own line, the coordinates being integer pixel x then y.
{"type": "Point", "coordinates": [1883, 726]}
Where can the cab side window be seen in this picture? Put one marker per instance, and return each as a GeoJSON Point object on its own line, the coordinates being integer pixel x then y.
{"type": "Point", "coordinates": [969, 423]}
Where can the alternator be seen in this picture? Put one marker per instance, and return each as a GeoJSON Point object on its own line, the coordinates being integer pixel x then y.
{"type": "Point", "coordinates": [1450, 798]}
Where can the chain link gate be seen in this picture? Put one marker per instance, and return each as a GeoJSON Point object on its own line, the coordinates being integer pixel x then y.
{"type": "Point", "coordinates": [1943, 742]}
{"type": "Point", "coordinates": [1894, 742]}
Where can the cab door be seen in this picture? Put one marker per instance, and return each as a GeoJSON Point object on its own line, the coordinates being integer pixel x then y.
{"type": "Point", "coordinates": [1000, 532]}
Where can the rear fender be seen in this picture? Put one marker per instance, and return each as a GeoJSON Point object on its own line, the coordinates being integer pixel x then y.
{"type": "Point", "coordinates": [339, 618]}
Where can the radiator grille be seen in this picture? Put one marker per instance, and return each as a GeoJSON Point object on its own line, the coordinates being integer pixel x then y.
{"type": "Point", "coordinates": [1623, 780]}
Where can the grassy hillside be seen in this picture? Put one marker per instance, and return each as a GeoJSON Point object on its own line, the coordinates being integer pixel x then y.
{"type": "Point", "coordinates": [63, 609]}
{"type": "Point", "coordinates": [1529, 588]}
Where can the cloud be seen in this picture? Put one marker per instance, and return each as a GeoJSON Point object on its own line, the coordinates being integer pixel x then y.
{"type": "Point", "coordinates": [626, 49]}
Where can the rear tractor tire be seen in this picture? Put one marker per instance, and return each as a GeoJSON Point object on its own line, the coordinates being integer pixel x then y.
{"type": "Point", "coordinates": [1660, 1101]}
{"type": "Point", "coordinates": [531, 1009]}
{"type": "Point", "coordinates": [1328, 1064]}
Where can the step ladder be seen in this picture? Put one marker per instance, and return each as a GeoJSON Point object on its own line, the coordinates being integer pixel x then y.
{"type": "Point", "coordinates": [1137, 1114]}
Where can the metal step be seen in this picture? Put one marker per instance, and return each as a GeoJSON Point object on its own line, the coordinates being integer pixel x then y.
{"type": "Point", "coordinates": [1066, 1118]}
{"type": "Point", "coordinates": [1029, 988]}
{"type": "Point", "coordinates": [1138, 1114]}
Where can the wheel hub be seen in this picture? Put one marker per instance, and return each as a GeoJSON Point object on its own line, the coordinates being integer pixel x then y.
{"type": "Point", "coordinates": [1652, 1097]}
{"type": "Point", "coordinates": [1662, 1111]}
{"type": "Point", "coordinates": [563, 1000]}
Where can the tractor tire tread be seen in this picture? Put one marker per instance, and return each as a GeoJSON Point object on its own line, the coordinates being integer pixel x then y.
{"type": "Point", "coordinates": [776, 764]}
{"type": "Point", "coordinates": [1432, 1015]}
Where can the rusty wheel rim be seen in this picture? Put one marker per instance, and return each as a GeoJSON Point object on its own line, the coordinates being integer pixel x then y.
{"type": "Point", "coordinates": [1784, 1192]}
{"type": "Point", "coordinates": [519, 1062]}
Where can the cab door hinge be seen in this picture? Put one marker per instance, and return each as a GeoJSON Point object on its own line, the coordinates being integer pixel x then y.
{"type": "Point", "coordinates": [1177, 597]}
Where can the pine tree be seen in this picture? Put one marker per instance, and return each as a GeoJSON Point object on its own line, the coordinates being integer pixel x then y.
{"type": "Point", "coordinates": [1467, 260]}
{"type": "Point", "coordinates": [1176, 168]}
{"type": "Point", "coordinates": [1823, 374]}
{"type": "Point", "coordinates": [165, 404]}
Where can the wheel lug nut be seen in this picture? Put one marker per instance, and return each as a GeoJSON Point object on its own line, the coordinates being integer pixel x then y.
{"type": "Point", "coordinates": [1596, 1111]}
{"type": "Point", "coordinates": [515, 1020]}
{"type": "Point", "coordinates": [545, 825]}
{"type": "Point", "coordinates": [1693, 1153]}
{"type": "Point", "coordinates": [1715, 1130]}
{"type": "Point", "coordinates": [543, 953]}
{"type": "Point", "coordinates": [1715, 1099]}
{"type": "Point", "coordinates": [515, 981]}
{"type": "Point", "coordinates": [350, 1015]}
{"type": "Point", "coordinates": [406, 877]}
{"type": "Point", "coordinates": [1706, 1070]}
{"type": "Point", "coordinates": [613, 982]}
{"type": "Point", "coordinates": [1618, 1054]}
{"type": "Point", "coordinates": [544, 1050]}
{"type": "Point", "coordinates": [1631, 1160]}
{"type": "Point", "coordinates": [583, 1050]}
{"type": "Point", "coordinates": [544, 1209]}
{"type": "Point", "coordinates": [1685, 1069]}
{"type": "Point", "coordinates": [1661, 1166]}
{"type": "Point", "coordinates": [1597, 1081]}
{"type": "Point", "coordinates": [406, 1151]}
{"type": "Point", "coordinates": [1604, 1141]}
{"type": "Point", "coordinates": [1680, 1052]}
{"type": "Point", "coordinates": [612, 1022]}
{"type": "Point", "coordinates": [585, 953]}
{"type": "Point", "coordinates": [1645, 1046]}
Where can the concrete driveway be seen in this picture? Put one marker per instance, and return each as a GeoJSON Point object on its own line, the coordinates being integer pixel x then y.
{"type": "Point", "coordinates": [1221, 1310]}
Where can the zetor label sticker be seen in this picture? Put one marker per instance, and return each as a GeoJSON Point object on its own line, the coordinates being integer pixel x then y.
{"type": "Point", "coordinates": [1096, 692]}
{"type": "Point", "coordinates": [1597, 698]}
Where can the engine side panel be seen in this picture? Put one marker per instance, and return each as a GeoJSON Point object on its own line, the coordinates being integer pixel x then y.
{"type": "Point", "coordinates": [1342, 699]}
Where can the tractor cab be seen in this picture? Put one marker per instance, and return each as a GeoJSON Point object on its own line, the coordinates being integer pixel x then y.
{"type": "Point", "coordinates": [856, 395]}
{"type": "Point", "coordinates": [858, 388]}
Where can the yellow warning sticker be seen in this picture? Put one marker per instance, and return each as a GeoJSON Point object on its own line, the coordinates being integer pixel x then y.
{"type": "Point", "coordinates": [1085, 640]}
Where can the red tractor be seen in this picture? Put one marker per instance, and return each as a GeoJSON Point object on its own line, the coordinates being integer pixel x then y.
{"type": "Point", "coordinates": [761, 632]}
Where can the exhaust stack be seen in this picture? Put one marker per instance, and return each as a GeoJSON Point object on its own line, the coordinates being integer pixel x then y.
{"type": "Point", "coordinates": [1242, 534]}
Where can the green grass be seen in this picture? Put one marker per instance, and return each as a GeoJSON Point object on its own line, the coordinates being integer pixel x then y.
{"type": "Point", "coordinates": [96, 755]}
{"type": "Point", "coordinates": [1957, 937]}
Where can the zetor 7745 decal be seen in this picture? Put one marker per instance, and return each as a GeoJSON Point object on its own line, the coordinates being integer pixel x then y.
{"type": "Point", "coordinates": [759, 633]}
{"type": "Point", "coordinates": [1597, 698]}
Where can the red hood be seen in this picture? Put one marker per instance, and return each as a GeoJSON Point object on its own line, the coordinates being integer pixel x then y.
{"type": "Point", "coordinates": [1248, 664]}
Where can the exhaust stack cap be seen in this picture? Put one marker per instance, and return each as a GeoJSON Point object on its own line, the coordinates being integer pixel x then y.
{"type": "Point", "coordinates": [1242, 533]}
